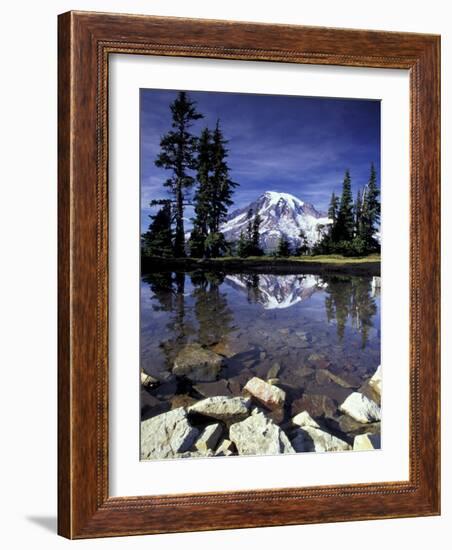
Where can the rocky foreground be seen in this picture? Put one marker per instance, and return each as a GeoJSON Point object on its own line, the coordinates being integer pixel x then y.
{"type": "Point", "coordinates": [255, 422]}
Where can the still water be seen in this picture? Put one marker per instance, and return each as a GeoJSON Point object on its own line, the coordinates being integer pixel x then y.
{"type": "Point", "coordinates": [292, 327]}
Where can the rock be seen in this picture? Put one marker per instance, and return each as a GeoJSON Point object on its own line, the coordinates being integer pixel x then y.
{"type": "Point", "coordinates": [274, 381]}
{"type": "Point", "coordinates": [195, 454]}
{"type": "Point", "coordinates": [304, 371]}
{"type": "Point", "coordinates": [366, 442]}
{"type": "Point", "coordinates": [209, 438]}
{"type": "Point", "coordinates": [273, 371]}
{"type": "Point", "coordinates": [361, 408]}
{"type": "Point", "coordinates": [223, 408]}
{"type": "Point", "coordinates": [309, 439]}
{"type": "Point", "coordinates": [257, 435]}
{"type": "Point", "coordinates": [226, 348]}
{"type": "Point", "coordinates": [166, 435]}
{"type": "Point", "coordinates": [304, 419]}
{"type": "Point", "coordinates": [349, 425]}
{"type": "Point", "coordinates": [210, 389]}
{"type": "Point", "coordinates": [226, 448]}
{"type": "Point", "coordinates": [197, 364]}
{"type": "Point", "coordinates": [367, 390]}
{"type": "Point", "coordinates": [270, 396]}
{"type": "Point", "coordinates": [317, 405]}
{"type": "Point", "coordinates": [375, 381]}
{"type": "Point", "coordinates": [147, 380]}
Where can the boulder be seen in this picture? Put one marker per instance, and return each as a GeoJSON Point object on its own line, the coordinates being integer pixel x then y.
{"type": "Point", "coordinates": [304, 419]}
{"type": "Point", "coordinates": [182, 400]}
{"type": "Point", "coordinates": [361, 408]}
{"type": "Point", "coordinates": [209, 438]}
{"type": "Point", "coordinates": [257, 435]}
{"type": "Point", "coordinates": [366, 442]}
{"type": "Point", "coordinates": [197, 363]}
{"type": "Point", "coordinates": [375, 381]}
{"type": "Point", "coordinates": [227, 409]}
{"type": "Point", "coordinates": [167, 435]}
{"type": "Point", "coordinates": [316, 405]}
{"type": "Point", "coordinates": [310, 438]}
{"type": "Point", "coordinates": [269, 395]}
{"type": "Point", "coordinates": [367, 390]}
{"type": "Point", "coordinates": [273, 371]}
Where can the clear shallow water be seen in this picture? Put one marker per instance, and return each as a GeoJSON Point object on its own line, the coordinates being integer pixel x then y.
{"type": "Point", "coordinates": [301, 323]}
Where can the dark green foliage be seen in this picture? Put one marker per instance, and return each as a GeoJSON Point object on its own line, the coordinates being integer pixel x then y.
{"type": "Point", "coordinates": [214, 192]}
{"type": "Point", "coordinates": [158, 240]}
{"type": "Point", "coordinates": [249, 241]}
{"type": "Point", "coordinates": [303, 247]}
{"type": "Point", "coordinates": [177, 154]}
{"type": "Point", "coordinates": [352, 232]}
{"type": "Point", "coordinates": [344, 223]}
{"type": "Point", "coordinates": [283, 250]}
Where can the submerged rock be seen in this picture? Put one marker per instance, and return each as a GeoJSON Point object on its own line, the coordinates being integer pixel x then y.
{"type": "Point", "coordinates": [317, 405]}
{"type": "Point", "coordinates": [209, 438]}
{"type": "Point", "coordinates": [223, 408]}
{"type": "Point", "coordinates": [211, 389]}
{"type": "Point", "coordinates": [167, 435]}
{"type": "Point", "coordinates": [366, 442]}
{"type": "Point", "coordinates": [257, 435]}
{"type": "Point", "coordinates": [324, 376]}
{"type": "Point", "coordinates": [309, 438]}
{"type": "Point", "coordinates": [269, 395]}
{"type": "Point", "coordinates": [361, 408]}
{"type": "Point", "coordinates": [197, 364]}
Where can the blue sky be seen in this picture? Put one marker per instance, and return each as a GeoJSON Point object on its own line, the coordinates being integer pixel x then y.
{"type": "Point", "coordinates": [292, 144]}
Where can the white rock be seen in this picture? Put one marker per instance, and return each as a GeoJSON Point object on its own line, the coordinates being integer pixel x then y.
{"type": "Point", "coordinates": [225, 448]}
{"type": "Point", "coordinates": [209, 438]}
{"type": "Point", "coordinates": [223, 408]}
{"type": "Point", "coordinates": [269, 395]}
{"type": "Point", "coordinates": [258, 435]}
{"type": "Point", "coordinates": [365, 442]}
{"type": "Point", "coordinates": [147, 380]}
{"type": "Point", "coordinates": [166, 435]}
{"type": "Point", "coordinates": [375, 381]}
{"type": "Point", "coordinates": [362, 409]}
{"type": "Point", "coordinates": [310, 438]}
{"type": "Point", "coordinates": [304, 419]}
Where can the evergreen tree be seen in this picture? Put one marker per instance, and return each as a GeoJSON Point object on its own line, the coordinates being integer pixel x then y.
{"type": "Point", "coordinates": [222, 186]}
{"type": "Point", "coordinates": [358, 214]}
{"type": "Point", "coordinates": [333, 208]}
{"type": "Point", "coordinates": [214, 192]}
{"type": "Point", "coordinates": [283, 249]}
{"type": "Point", "coordinates": [158, 240]}
{"type": "Point", "coordinates": [177, 154]}
{"type": "Point", "coordinates": [370, 216]}
{"type": "Point", "coordinates": [256, 249]}
{"type": "Point", "coordinates": [345, 223]}
{"type": "Point", "coordinates": [303, 247]}
{"type": "Point", "coordinates": [242, 246]}
{"type": "Point", "coordinates": [202, 196]}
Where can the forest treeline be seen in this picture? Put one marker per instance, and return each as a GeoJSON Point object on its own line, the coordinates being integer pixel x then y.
{"type": "Point", "coordinates": [199, 177]}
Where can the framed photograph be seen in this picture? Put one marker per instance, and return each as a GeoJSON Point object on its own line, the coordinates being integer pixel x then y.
{"type": "Point", "coordinates": [248, 275]}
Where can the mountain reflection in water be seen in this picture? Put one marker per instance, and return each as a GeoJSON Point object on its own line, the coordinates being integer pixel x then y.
{"type": "Point", "coordinates": [290, 319]}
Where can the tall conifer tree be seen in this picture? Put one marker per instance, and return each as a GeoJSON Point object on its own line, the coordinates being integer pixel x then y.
{"type": "Point", "coordinates": [177, 154]}
{"type": "Point", "coordinates": [345, 223]}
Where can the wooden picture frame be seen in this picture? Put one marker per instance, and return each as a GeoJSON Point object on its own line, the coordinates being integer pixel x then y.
{"type": "Point", "coordinates": [86, 40]}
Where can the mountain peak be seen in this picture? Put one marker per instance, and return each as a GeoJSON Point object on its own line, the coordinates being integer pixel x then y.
{"type": "Point", "coordinates": [281, 214]}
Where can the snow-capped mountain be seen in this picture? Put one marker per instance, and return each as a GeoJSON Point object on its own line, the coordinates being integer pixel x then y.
{"type": "Point", "coordinates": [277, 291]}
{"type": "Point", "coordinates": [281, 213]}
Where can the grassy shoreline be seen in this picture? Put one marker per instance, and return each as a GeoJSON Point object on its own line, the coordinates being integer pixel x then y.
{"type": "Point", "coordinates": [369, 265]}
